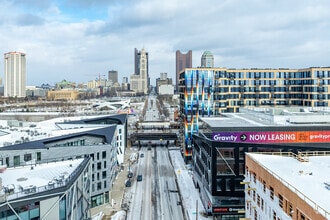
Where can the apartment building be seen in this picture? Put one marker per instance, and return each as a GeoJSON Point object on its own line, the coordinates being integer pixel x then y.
{"type": "Point", "coordinates": [287, 186]}
{"type": "Point", "coordinates": [209, 92]}
{"type": "Point", "coordinates": [219, 148]}
{"type": "Point", "coordinates": [102, 138]}
{"type": "Point", "coordinates": [53, 190]}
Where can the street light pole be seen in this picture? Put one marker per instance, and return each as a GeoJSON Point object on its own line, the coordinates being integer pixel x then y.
{"type": "Point", "coordinates": [196, 209]}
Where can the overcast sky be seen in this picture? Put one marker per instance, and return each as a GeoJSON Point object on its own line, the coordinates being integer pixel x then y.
{"type": "Point", "coordinates": [77, 40]}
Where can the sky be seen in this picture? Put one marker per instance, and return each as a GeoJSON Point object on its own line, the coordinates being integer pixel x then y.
{"type": "Point", "coordinates": [81, 40]}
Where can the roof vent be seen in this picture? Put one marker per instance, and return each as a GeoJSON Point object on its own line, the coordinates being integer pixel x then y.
{"type": "Point", "coordinates": [327, 185]}
{"type": "Point", "coordinates": [302, 158]}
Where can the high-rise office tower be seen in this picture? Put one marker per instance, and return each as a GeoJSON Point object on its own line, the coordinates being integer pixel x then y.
{"type": "Point", "coordinates": [140, 80]}
{"type": "Point", "coordinates": [15, 74]}
{"type": "Point", "coordinates": [207, 59]}
{"type": "Point", "coordinates": [182, 61]}
{"type": "Point", "coordinates": [113, 76]}
{"type": "Point", "coordinates": [137, 60]}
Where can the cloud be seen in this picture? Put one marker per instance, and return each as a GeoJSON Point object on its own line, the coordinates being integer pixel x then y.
{"type": "Point", "coordinates": [28, 19]}
{"type": "Point", "coordinates": [75, 40]}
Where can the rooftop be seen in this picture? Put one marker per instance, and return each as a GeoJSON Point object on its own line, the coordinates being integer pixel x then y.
{"type": "Point", "coordinates": [300, 176]}
{"type": "Point", "coordinates": [25, 132]}
{"type": "Point", "coordinates": [26, 180]}
{"type": "Point", "coordinates": [277, 117]}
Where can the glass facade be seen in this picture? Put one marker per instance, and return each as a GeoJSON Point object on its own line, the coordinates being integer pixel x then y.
{"type": "Point", "coordinates": [198, 102]}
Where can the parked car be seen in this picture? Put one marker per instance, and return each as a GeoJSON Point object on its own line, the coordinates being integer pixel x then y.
{"type": "Point", "coordinates": [128, 183]}
{"type": "Point", "coordinates": [130, 175]}
{"type": "Point", "coordinates": [139, 178]}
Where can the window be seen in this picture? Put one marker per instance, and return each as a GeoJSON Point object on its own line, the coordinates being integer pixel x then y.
{"type": "Point", "coordinates": [17, 160]}
{"type": "Point", "coordinates": [104, 174]}
{"type": "Point", "coordinates": [99, 185]}
{"type": "Point", "coordinates": [99, 165]}
{"type": "Point", "coordinates": [38, 156]}
{"type": "Point", "coordinates": [264, 185]}
{"type": "Point", "coordinates": [7, 161]}
{"type": "Point", "coordinates": [27, 157]}
{"type": "Point", "coordinates": [104, 154]}
{"type": "Point", "coordinates": [290, 209]}
{"type": "Point", "coordinates": [104, 164]}
{"type": "Point", "coordinates": [271, 189]}
{"type": "Point", "coordinates": [274, 215]}
{"type": "Point", "coordinates": [280, 200]}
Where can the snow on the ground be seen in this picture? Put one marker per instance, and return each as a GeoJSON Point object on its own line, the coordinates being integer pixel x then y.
{"type": "Point", "coordinates": [187, 188]}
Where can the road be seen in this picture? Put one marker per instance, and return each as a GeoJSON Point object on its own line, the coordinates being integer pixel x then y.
{"type": "Point", "coordinates": [156, 196]}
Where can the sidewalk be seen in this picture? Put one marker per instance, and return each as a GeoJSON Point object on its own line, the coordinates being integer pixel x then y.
{"type": "Point", "coordinates": [117, 192]}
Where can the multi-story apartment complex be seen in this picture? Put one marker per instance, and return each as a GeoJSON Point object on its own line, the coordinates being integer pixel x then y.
{"type": "Point", "coordinates": [212, 91]}
{"type": "Point", "coordinates": [103, 139]}
{"type": "Point", "coordinates": [140, 80]}
{"type": "Point", "coordinates": [15, 74]}
{"type": "Point", "coordinates": [287, 186]}
{"type": "Point", "coordinates": [50, 190]}
{"type": "Point", "coordinates": [182, 61]}
{"type": "Point", "coordinates": [219, 149]}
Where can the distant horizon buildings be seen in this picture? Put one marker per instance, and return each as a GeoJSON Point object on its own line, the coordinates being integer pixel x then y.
{"type": "Point", "coordinates": [140, 80]}
{"type": "Point", "coordinates": [207, 59]}
{"type": "Point", "coordinates": [113, 76]}
{"type": "Point", "coordinates": [15, 74]}
{"type": "Point", "coordinates": [181, 61]}
{"type": "Point", "coordinates": [164, 85]}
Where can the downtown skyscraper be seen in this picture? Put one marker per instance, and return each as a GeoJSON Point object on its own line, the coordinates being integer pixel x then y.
{"type": "Point", "coordinates": [140, 81]}
{"type": "Point", "coordinates": [15, 74]}
{"type": "Point", "coordinates": [182, 61]}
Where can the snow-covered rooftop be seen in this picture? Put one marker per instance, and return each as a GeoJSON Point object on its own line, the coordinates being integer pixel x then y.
{"type": "Point", "coordinates": [308, 179]}
{"type": "Point", "coordinates": [41, 130]}
{"type": "Point", "coordinates": [22, 181]}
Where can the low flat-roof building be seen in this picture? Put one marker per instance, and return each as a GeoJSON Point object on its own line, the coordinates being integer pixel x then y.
{"type": "Point", "coordinates": [287, 186]}
{"type": "Point", "coordinates": [56, 190]}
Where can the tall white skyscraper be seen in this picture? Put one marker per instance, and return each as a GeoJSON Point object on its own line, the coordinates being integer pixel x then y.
{"type": "Point", "coordinates": [15, 74]}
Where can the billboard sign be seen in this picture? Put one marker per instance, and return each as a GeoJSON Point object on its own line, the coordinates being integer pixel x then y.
{"type": "Point", "coordinates": [272, 136]}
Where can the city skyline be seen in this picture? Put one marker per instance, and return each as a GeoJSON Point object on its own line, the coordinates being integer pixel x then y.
{"type": "Point", "coordinates": [77, 40]}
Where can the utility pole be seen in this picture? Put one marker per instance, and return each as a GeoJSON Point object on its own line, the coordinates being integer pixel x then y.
{"type": "Point", "coordinates": [196, 209]}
